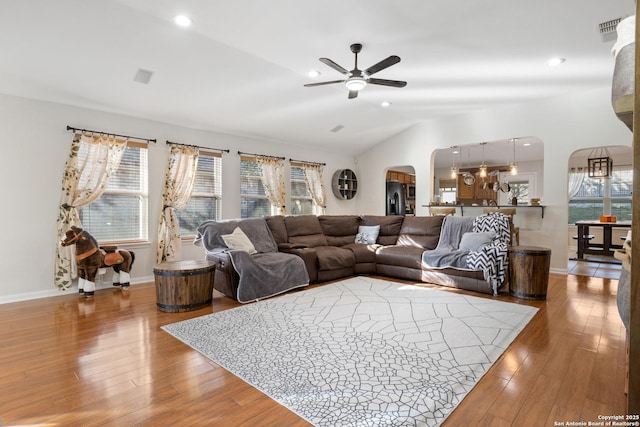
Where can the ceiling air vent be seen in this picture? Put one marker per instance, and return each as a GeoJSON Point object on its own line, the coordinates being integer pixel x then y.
{"type": "Point", "coordinates": [608, 30]}
{"type": "Point", "coordinates": [143, 76]}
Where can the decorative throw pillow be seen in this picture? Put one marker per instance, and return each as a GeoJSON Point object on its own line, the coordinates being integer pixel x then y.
{"type": "Point", "coordinates": [238, 240]}
{"type": "Point", "coordinates": [367, 234]}
{"type": "Point", "coordinates": [474, 241]}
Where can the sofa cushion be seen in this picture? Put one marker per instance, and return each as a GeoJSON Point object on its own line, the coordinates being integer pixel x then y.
{"type": "Point", "coordinates": [389, 227]}
{"type": "Point", "coordinates": [210, 233]}
{"type": "Point", "coordinates": [400, 256]}
{"type": "Point", "coordinates": [332, 258]}
{"type": "Point", "coordinates": [363, 253]}
{"type": "Point", "coordinates": [278, 229]}
{"type": "Point", "coordinates": [305, 230]}
{"type": "Point", "coordinates": [339, 230]}
{"type": "Point", "coordinates": [420, 231]}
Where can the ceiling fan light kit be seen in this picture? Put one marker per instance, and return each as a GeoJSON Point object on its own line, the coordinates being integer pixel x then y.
{"type": "Point", "coordinates": [355, 83]}
{"type": "Point", "coordinates": [357, 79]}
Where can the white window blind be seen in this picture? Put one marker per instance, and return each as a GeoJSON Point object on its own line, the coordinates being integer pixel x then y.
{"type": "Point", "coordinates": [206, 198]}
{"type": "Point", "coordinates": [253, 198]}
{"type": "Point", "coordinates": [121, 213]}
{"type": "Point", "coordinates": [301, 201]}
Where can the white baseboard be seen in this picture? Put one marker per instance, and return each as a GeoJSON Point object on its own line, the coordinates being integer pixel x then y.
{"type": "Point", "coordinates": [73, 290]}
{"type": "Point", "coordinates": [564, 271]}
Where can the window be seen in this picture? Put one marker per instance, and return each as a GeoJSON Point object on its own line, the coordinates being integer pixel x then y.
{"type": "Point", "coordinates": [521, 186]}
{"type": "Point", "coordinates": [596, 195]}
{"type": "Point", "coordinates": [205, 201]}
{"type": "Point", "coordinates": [447, 191]}
{"type": "Point", "coordinates": [253, 199]}
{"type": "Point", "coordinates": [120, 214]}
{"type": "Point", "coordinates": [301, 201]}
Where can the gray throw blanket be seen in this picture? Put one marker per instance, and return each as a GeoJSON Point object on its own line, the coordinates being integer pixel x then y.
{"type": "Point", "coordinates": [263, 274]}
{"type": "Point", "coordinates": [446, 254]}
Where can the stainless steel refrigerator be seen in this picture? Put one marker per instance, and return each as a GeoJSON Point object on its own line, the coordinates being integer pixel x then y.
{"type": "Point", "coordinates": [396, 201]}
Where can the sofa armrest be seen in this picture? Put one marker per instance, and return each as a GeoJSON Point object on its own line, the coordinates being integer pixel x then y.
{"type": "Point", "coordinates": [226, 278]}
{"type": "Point", "coordinates": [310, 259]}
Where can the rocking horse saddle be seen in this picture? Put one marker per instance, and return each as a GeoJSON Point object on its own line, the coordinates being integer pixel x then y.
{"type": "Point", "coordinates": [113, 258]}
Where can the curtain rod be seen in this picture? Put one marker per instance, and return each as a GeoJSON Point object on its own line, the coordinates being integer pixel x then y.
{"type": "Point", "coordinates": [197, 146]}
{"type": "Point", "coordinates": [109, 133]}
{"type": "Point", "coordinates": [260, 155]}
{"type": "Point", "coordinates": [308, 163]}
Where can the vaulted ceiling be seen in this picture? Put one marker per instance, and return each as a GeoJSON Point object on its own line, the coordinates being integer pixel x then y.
{"type": "Point", "coordinates": [240, 68]}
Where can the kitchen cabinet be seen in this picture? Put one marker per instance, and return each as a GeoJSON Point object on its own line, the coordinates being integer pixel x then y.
{"type": "Point", "coordinates": [477, 192]}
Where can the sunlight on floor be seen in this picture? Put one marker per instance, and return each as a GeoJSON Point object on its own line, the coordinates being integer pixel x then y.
{"type": "Point", "coordinates": [594, 266]}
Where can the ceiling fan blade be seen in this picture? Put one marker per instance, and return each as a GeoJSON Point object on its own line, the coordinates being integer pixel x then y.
{"type": "Point", "coordinates": [324, 83]}
{"type": "Point", "coordinates": [333, 65]}
{"type": "Point", "coordinates": [385, 63]}
{"type": "Point", "coordinates": [353, 94]}
{"type": "Point", "coordinates": [384, 82]}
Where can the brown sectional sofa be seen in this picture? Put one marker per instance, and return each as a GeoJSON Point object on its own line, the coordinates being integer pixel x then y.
{"type": "Point", "coordinates": [327, 245]}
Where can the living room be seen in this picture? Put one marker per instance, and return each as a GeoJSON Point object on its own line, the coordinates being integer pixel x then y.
{"type": "Point", "coordinates": [35, 117]}
{"type": "Point", "coordinates": [564, 124]}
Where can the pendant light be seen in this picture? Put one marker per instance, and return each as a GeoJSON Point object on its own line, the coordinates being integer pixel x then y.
{"type": "Point", "coordinates": [454, 169]}
{"type": "Point", "coordinates": [513, 166]}
{"type": "Point", "coordinates": [600, 163]}
{"type": "Point", "coordinates": [483, 167]}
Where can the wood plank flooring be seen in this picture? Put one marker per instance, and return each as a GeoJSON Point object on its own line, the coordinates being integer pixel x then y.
{"type": "Point", "coordinates": [71, 361]}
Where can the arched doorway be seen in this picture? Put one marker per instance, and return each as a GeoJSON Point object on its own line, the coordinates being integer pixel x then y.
{"type": "Point", "coordinates": [589, 198]}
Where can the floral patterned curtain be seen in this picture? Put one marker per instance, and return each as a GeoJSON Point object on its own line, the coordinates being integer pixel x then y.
{"type": "Point", "coordinates": [273, 181]}
{"type": "Point", "coordinates": [313, 177]}
{"type": "Point", "coordinates": [92, 162]}
{"type": "Point", "coordinates": [179, 181]}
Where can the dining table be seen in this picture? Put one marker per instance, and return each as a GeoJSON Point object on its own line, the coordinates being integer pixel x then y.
{"type": "Point", "coordinates": [607, 247]}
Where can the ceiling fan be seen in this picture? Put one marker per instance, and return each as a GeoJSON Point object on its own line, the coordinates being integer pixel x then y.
{"type": "Point", "coordinates": [357, 79]}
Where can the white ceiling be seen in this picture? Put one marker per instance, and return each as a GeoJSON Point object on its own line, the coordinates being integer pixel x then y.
{"type": "Point", "coordinates": [240, 68]}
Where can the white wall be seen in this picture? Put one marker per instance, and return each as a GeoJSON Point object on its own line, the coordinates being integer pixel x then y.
{"type": "Point", "coordinates": [564, 124]}
{"type": "Point", "coordinates": [35, 145]}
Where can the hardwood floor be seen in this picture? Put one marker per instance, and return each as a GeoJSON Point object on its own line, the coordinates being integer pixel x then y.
{"type": "Point", "coordinates": [71, 361]}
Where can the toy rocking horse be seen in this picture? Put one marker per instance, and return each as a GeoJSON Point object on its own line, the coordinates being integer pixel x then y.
{"type": "Point", "coordinates": [90, 257]}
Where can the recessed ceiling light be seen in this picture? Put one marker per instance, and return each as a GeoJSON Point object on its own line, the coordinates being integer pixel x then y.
{"type": "Point", "coordinates": [314, 73]}
{"type": "Point", "coordinates": [553, 62]}
{"type": "Point", "coordinates": [385, 104]}
{"type": "Point", "coordinates": [183, 21]}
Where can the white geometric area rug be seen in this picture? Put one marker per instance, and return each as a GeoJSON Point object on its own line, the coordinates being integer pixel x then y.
{"type": "Point", "coordinates": [361, 352]}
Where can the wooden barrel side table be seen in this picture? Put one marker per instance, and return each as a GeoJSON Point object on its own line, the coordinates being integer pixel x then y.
{"type": "Point", "coordinates": [529, 271]}
{"type": "Point", "coordinates": [183, 285]}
